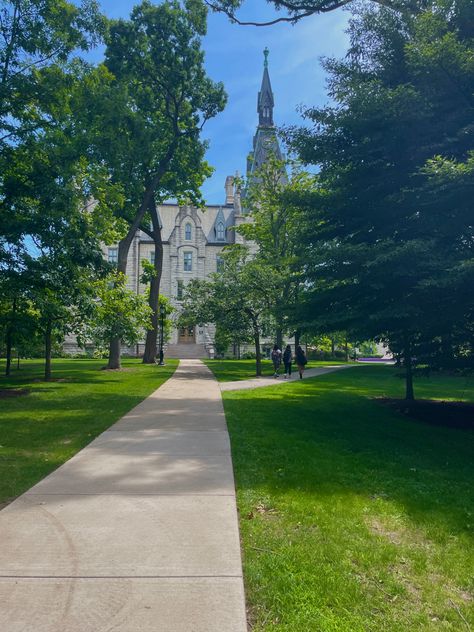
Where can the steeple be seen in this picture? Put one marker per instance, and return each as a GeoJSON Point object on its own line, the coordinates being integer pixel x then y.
{"type": "Point", "coordinates": [265, 97]}
{"type": "Point", "coordinates": [265, 141]}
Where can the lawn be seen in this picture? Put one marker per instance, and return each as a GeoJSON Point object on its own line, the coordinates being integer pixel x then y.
{"type": "Point", "coordinates": [231, 370]}
{"type": "Point", "coordinates": [353, 518]}
{"type": "Point", "coordinates": [43, 429]}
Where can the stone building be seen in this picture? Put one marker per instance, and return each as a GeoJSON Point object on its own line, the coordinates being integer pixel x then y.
{"type": "Point", "coordinates": [193, 238]}
{"type": "Point", "coordinates": [192, 242]}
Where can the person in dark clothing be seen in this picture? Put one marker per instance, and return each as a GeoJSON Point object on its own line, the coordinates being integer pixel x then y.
{"type": "Point", "coordinates": [301, 360]}
{"type": "Point", "coordinates": [287, 358]}
{"type": "Point", "coordinates": [276, 359]}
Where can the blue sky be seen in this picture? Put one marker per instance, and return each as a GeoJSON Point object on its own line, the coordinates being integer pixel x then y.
{"type": "Point", "coordinates": [234, 55]}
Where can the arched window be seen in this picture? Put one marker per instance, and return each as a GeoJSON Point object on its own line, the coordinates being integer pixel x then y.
{"type": "Point", "coordinates": [220, 231]}
{"type": "Point", "coordinates": [188, 232]}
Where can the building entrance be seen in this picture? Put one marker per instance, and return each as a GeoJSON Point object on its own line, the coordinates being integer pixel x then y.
{"type": "Point", "coordinates": [186, 335]}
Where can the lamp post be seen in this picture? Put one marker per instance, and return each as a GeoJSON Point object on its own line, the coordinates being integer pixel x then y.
{"type": "Point", "coordinates": [162, 329]}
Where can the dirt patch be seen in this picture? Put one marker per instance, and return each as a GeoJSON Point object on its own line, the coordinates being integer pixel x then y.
{"type": "Point", "coordinates": [263, 510]}
{"type": "Point", "coordinates": [123, 370]}
{"type": "Point", "coordinates": [52, 379]}
{"type": "Point", "coordinates": [397, 533]}
{"type": "Point", "coordinates": [377, 527]}
{"type": "Point", "coordinates": [437, 413]}
{"type": "Point", "coordinates": [13, 392]}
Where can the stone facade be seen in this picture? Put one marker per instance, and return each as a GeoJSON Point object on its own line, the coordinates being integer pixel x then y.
{"type": "Point", "coordinates": [192, 241]}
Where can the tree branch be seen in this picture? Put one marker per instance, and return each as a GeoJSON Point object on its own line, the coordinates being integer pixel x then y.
{"type": "Point", "coordinates": [233, 18]}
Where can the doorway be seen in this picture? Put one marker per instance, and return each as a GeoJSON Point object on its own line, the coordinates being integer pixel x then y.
{"type": "Point", "coordinates": [186, 335]}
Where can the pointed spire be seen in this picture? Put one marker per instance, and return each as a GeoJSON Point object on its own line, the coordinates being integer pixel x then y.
{"type": "Point", "coordinates": [265, 96]}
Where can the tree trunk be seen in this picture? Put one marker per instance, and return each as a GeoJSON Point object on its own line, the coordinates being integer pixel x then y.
{"type": "Point", "coordinates": [297, 338]}
{"type": "Point", "coordinates": [9, 339]}
{"type": "Point", "coordinates": [149, 355]}
{"type": "Point", "coordinates": [124, 244]}
{"type": "Point", "coordinates": [114, 354]}
{"type": "Point", "coordinates": [279, 337]}
{"type": "Point", "coordinates": [9, 351]}
{"type": "Point", "coordinates": [333, 347]}
{"type": "Point", "coordinates": [409, 394]}
{"type": "Point", "coordinates": [18, 362]}
{"type": "Point", "coordinates": [346, 350]}
{"type": "Point", "coordinates": [47, 350]}
{"type": "Point", "coordinates": [115, 343]}
{"type": "Point", "coordinates": [258, 355]}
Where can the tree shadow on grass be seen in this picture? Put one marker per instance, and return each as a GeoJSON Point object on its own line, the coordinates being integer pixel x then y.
{"type": "Point", "coordinates": [324, 439]}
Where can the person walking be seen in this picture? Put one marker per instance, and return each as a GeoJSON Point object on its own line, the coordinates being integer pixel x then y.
{"type": "Point", "coordinates": [276, 359]}
{"type": "Point", "coordinates": [301, 360]}
{"type": "Point", "coordinates": [287, 358]}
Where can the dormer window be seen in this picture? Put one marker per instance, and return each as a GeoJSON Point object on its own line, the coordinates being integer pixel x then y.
{"type": "Point", "coordinates": [220, 231]}
{"type": "Point", "coordinates": [188, 231]}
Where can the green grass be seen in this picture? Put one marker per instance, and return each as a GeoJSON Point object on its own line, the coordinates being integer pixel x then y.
{"type": "Point", "coordinates": [231, 370]}
{"type": "Point", "coordinates": [353, 519]}
{"type": "Point", "coordinates": [42, 430]}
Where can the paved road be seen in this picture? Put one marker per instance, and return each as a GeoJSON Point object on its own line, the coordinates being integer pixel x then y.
{"type": "Point", "coordinates": [257, 382]}
{"type": "Point", "coordinates": [136, 533]}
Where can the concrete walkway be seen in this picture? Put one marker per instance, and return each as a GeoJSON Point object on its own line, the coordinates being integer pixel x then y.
{"type": "Point", "coordinates": [136, 533]}
{"type": "Point", "coordinates": [257, 382]}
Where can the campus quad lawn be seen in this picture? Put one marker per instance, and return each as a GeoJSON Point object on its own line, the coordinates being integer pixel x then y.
{"type": "Point", "coordinates": [42, 430]}
{"type": "Point", "coordinates": [353, 518]}
{"type": "Point", "coordinates": [230, 370]}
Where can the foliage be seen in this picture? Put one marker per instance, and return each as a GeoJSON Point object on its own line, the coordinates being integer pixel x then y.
{"type": "Point", "coordinates": [151, 112]}
{"type": "Point", "coordinates": [51, 232]}
{"type": "Point", "coordinates": [37, 38]}
{"type": "Point", "coordinates": [115, 312]}
{"type": "Point", "coordinates": [238, 298]}
{"type": "Point", "coordinates": [390, 254]}
{"type": "Point", "coordinates": [296, 10]}
{"type": "Point", "coordinates": [222, 340]}
{"type": "Point", "coordinates": [274, 203]}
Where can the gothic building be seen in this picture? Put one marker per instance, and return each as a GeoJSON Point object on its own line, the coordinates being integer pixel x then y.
{"type": "Point", "coordinates": [193, 239]}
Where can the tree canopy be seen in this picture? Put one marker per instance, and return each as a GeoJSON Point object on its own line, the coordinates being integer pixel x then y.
{"type": "Point", "coordinates": [161, 98]}
{"type": "Point", "coordinates": [392, 239]}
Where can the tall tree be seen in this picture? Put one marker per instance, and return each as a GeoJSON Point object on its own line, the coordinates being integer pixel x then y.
{"type": "Point", "coordinates": [276, 226]}
{"type": "Point", "coordinates": [35, 35]}
{"type": "Point", "coordinates": [238, 297]}
{"type": "Point", "coordinates": [48, 183]}
{"type": "Point", "coordinates": [161, 100]}
{"type": "Point", "coordinates": [389, 259]}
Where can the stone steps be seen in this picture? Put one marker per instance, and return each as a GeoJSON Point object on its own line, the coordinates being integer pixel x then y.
{"type": "Point", "coordinates": [186, 351]}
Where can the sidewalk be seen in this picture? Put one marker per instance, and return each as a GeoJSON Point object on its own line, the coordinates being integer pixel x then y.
{"type": "Point", "coordinates": [257, 382]}
{"type": "Point", "coordinates": [136, 533]}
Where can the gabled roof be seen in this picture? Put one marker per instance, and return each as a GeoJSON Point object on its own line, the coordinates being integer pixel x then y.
{"type": "Point", "coordinates": [220, 219]}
